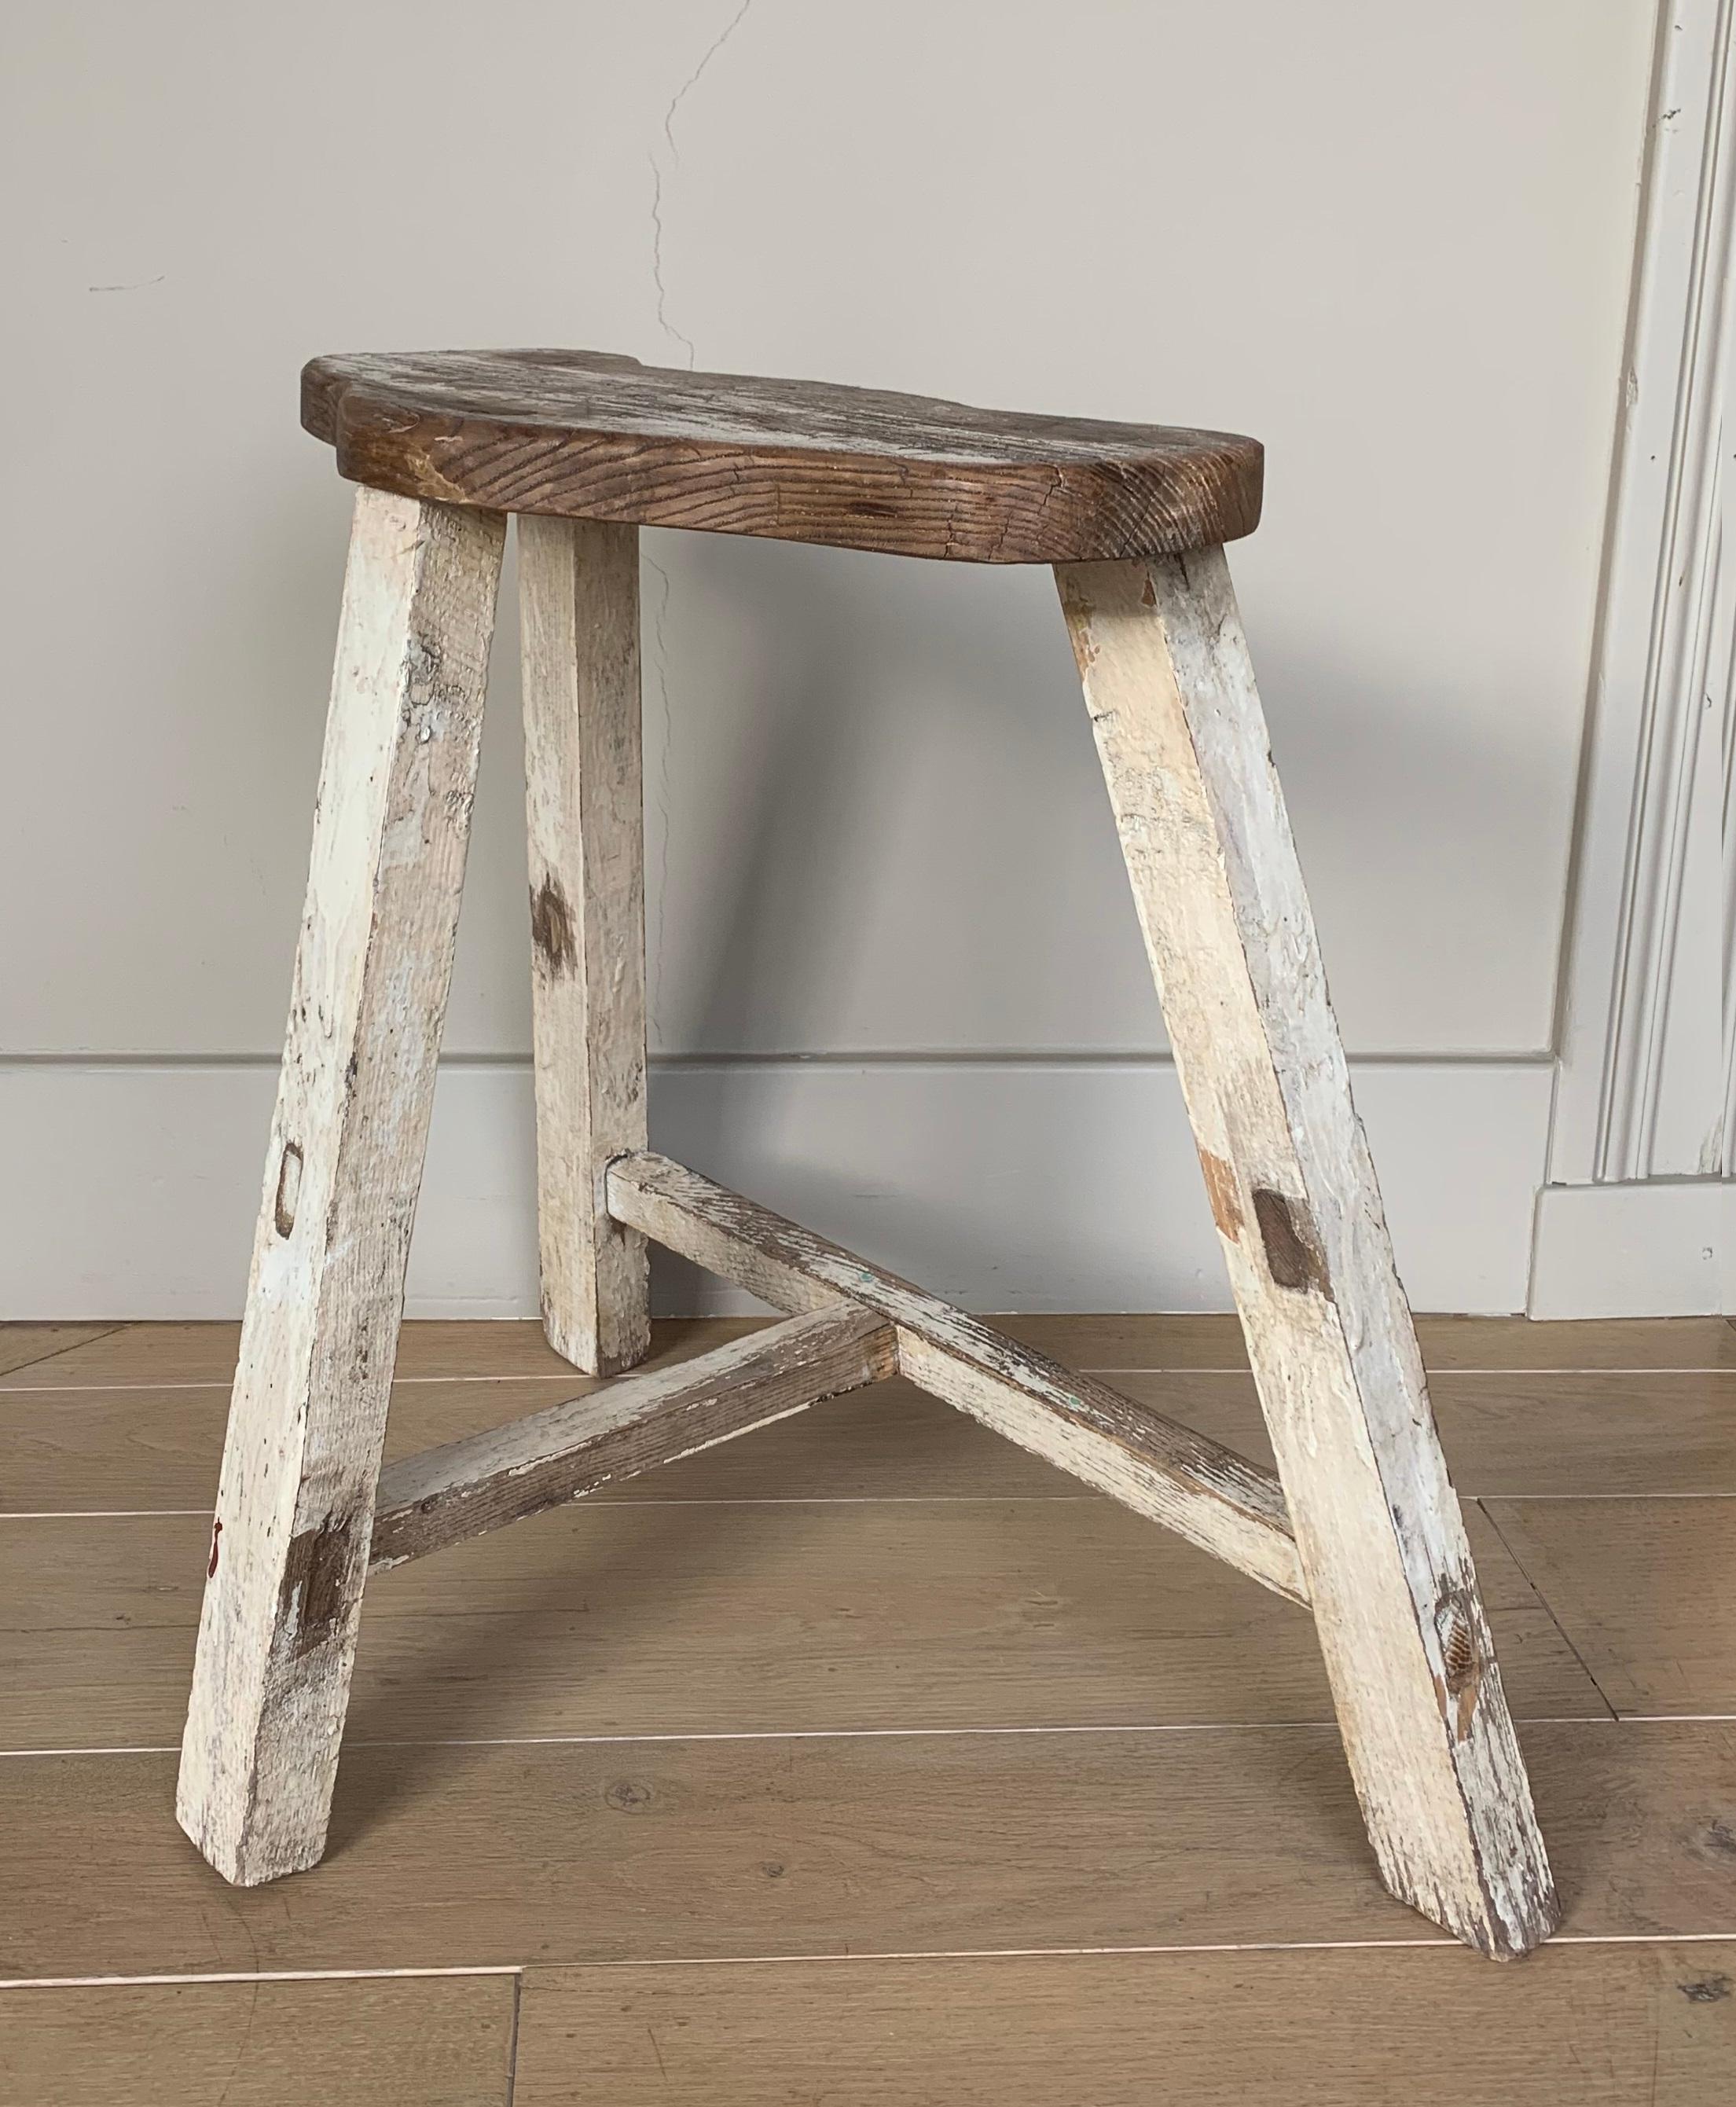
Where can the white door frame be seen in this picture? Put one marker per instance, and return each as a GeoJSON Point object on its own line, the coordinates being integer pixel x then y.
{"type": "Point", "coordinates": [1642, 1136]}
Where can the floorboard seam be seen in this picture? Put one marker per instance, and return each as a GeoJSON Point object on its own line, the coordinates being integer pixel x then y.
{"type": "Point", "coordinates": [512, 2036]}
{"type": "Point", "coordinates": [823, 1500]}
{"type": "Point", "coordinates": [1549, 1608]}
{"type": "Point", "coordinates": [592, 1500]}
{"type": "Point", "coordinates": [55, 1352]}
{"type": "Point", "coordinates": [862, 1734]}
{"type": "Point", "coordinates": [9, 1388]}
{"type": "Point", "coordinates": [259, 1976]}
{"type": "Point", "coordinates": [1438, 1944]}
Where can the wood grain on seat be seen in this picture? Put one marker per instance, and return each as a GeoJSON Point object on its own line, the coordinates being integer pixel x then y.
{"type": "Point", "coordinates": [592, 435]}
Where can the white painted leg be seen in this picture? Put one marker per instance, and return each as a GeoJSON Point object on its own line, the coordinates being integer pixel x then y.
{"type": "Point", "coordinates": [1232, 945]}
{"type": "Point", "coordinates": [579, 599]}
{"type": "Point", "coordinates": [294, 1507]}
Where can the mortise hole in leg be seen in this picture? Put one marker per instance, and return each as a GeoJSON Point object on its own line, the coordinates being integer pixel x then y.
{"type": "Point", "coordinates": [1461, 1657]}
{"type": "Point", "coordinates": [320, 1581]}
{"type": "Point", "coordinates": [1292, 1256]}
{"type": "Point", "coordinates": [552, 928]}
{"type": "Point", "coordinates": [1457, 1648]}
{"type": "Point", "coordinates": [289, 1188]}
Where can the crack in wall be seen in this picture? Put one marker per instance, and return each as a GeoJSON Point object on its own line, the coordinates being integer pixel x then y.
{"type": "Point", "coordinates": [663, 322]}
{"type": "Point", "coordinates": [659, 174]}
{"type": "Point", "coordinates": [665, 749]}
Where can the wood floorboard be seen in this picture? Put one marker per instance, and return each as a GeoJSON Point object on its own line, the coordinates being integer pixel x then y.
{"type": "Point", "coordinates": [108, 1451]}
{"type": "Point", "coordinates": [29, 1345]}
{"type": "Point", "coordinates": [1575, 2026]}
{"type": "Point", "coordinates": [1669, 1431]}
{"type": "Point", "coordinates": [1645, 1343]}
{"type": "Point", "coordinates": [1643, 1590]}
{"type": "Point", "coordinates": [1538, 1431]}
{"type": "Point", "coordinates": [640, 1619]}
{"type": "Point", "coordinates": [867, 1675]}
{"type": "Point", "coordinates": [1449, 1343]}
{"type": "Point", "coordinates": [205, 1353]}
{"type": "Point", "coordinates": [421, 2042]}
{"type": "Point", "coordinates": [443, 1856]}
{"type": "Point", "coordinates": [122, 1451]}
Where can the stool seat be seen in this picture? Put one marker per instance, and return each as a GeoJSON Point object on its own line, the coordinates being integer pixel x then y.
{"type": "Point", "coordinates": [592, 435]}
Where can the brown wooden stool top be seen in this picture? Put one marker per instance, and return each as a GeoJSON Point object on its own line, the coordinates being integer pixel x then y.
{"type": "Point", "coordinates": [592, 435]}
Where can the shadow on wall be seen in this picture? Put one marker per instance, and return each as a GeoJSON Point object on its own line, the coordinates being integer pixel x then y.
{"type": "Point", "coordinates": [877, 823]}
{"type": "Point", "coordinates": [866, 700]}
{"type": "Point", "coordinates": [878, 781]}
{"type": "Point", "coordinates": [817, 725]}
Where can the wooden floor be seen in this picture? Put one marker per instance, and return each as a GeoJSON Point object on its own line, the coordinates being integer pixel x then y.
{"type": "Point", "coordinates": [866, 1759]}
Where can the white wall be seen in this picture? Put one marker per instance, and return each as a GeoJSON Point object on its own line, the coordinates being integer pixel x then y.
{"type": "Point", "coordinates": [1394, 242]}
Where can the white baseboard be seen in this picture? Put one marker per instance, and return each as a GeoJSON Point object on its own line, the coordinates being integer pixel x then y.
{"type": "Point", "coordinates": [1661, 1247]}
{"type": "Point", "coordinates": [130, 1188]}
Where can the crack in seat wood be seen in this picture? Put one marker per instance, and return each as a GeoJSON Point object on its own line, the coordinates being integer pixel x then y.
{"type": "Point", "coordinates": [1359, 1525]}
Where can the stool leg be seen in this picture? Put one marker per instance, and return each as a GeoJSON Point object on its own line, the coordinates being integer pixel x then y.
{"type": "Point", "coordinates": [1231, 941]}
{"type": "Point", "coordinates": [295, 1506]}
{"type": "Point", "coordinates": [579, 583]}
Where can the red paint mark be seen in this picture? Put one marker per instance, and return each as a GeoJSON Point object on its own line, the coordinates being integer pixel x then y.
{"type": "Point", "coordinates": [1221, 1189]}
{"type": "Point", "coordinates": [217, 1530]}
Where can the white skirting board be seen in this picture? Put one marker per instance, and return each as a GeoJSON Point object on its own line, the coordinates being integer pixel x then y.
{"type": "Point", "coordinates": [1656, 1247]}
{"type": "Point", "coordinates": [130, 1189]}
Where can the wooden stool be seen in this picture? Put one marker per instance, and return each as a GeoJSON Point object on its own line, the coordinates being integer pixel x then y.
{"type": "Point", "coordinates": [1361, 1525]}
